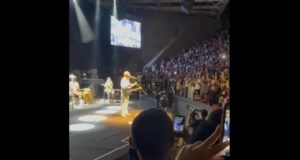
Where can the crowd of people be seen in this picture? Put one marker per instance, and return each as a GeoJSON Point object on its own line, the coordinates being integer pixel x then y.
{"type": "Point", "coordinates": [148, 141]}
{"type": "Point", "coordinates": [200, 73]}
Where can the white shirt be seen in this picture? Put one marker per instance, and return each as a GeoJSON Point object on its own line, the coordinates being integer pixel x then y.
{"type": "Point", "coordinates": [125, 85]}
{"type": "Point", "coordinates": [73, 87]}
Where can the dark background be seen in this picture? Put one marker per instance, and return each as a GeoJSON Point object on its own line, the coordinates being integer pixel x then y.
{"type": "Point", "coordinates": [158, 29]}
{"type": "Point", "coordinates": [35, 72]}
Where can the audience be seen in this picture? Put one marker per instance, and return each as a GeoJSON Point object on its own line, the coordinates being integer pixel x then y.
{"type": "Point", "coordinates": [199, 73]}
{"type": "Point", "coordinates": [152, 136]}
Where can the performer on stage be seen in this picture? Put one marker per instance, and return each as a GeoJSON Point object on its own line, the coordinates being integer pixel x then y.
{"type": "Point", "coordinates": [125, 91]}
{"type": "Point", "coordinates": [109, 90]}
{"type": "Point", "coordinates": [74, 89]}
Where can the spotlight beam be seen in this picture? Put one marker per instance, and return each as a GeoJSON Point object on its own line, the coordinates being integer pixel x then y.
{"type": "Point", "coordinates": [115, 9]}
{"type": "Point", "coordinates": [85, 29]}
{"type": "Point", "coordinates": [96, 49]}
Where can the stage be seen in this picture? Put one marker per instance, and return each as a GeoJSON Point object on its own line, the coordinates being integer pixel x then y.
{"type": "Point", "coordinates": [98, 132]}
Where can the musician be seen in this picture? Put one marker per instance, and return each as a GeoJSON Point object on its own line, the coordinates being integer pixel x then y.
{"type": "Point", "coordinates": [125, 92]}
{"type": "Point", "coordinates": [74, 88]}
{"type": "Point", "coordinates": [108, 89]}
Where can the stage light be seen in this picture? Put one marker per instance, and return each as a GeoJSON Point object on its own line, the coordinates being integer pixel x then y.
{"type": "Point", "coordinates": [115, 9]}
{"type": "Point", "coordinates": [120, 9]}
{"type": "Point", "coordinates": [130, 122]}
{"type": "Point", "coordinates": [92, 118]}
{"type": "Point", "coordinates": [106, 111]}
{"type": "Point", "coordinates": [86, 32]}
{"type": "Point", "coordinates": [81, 127]}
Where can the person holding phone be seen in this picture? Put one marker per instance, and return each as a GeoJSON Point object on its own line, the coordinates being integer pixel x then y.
{"type": "Point", "coordinates": [159, 146]}
{"type": "Point", "coordinates": [195, 118]}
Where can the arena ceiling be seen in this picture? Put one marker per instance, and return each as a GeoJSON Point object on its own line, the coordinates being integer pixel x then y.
{"type": "Point", "coordinates": [208, 7]}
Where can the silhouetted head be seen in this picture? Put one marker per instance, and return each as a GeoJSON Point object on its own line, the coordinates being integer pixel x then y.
{"type": "Point", "coordinates": [152, 134]}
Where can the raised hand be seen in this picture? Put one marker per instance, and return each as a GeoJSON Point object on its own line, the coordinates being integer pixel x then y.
{"type": "Point", "coordinates": [203, 150]}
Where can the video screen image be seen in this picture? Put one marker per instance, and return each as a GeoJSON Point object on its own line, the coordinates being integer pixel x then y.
{"type": "Point", "coordinates": [125, 33]}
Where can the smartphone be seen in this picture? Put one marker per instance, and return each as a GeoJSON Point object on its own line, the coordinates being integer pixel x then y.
{"type": "Point", "coordinates": [179, 125]}
{"type": "Point", "coordinates": [226, 131]}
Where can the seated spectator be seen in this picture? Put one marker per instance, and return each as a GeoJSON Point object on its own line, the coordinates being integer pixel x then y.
{"type": "Point", "coordinates": [152, 136]}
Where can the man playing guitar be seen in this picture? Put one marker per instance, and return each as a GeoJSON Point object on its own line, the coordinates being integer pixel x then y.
{"type": "Point", "coordinates": [126, 89]}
